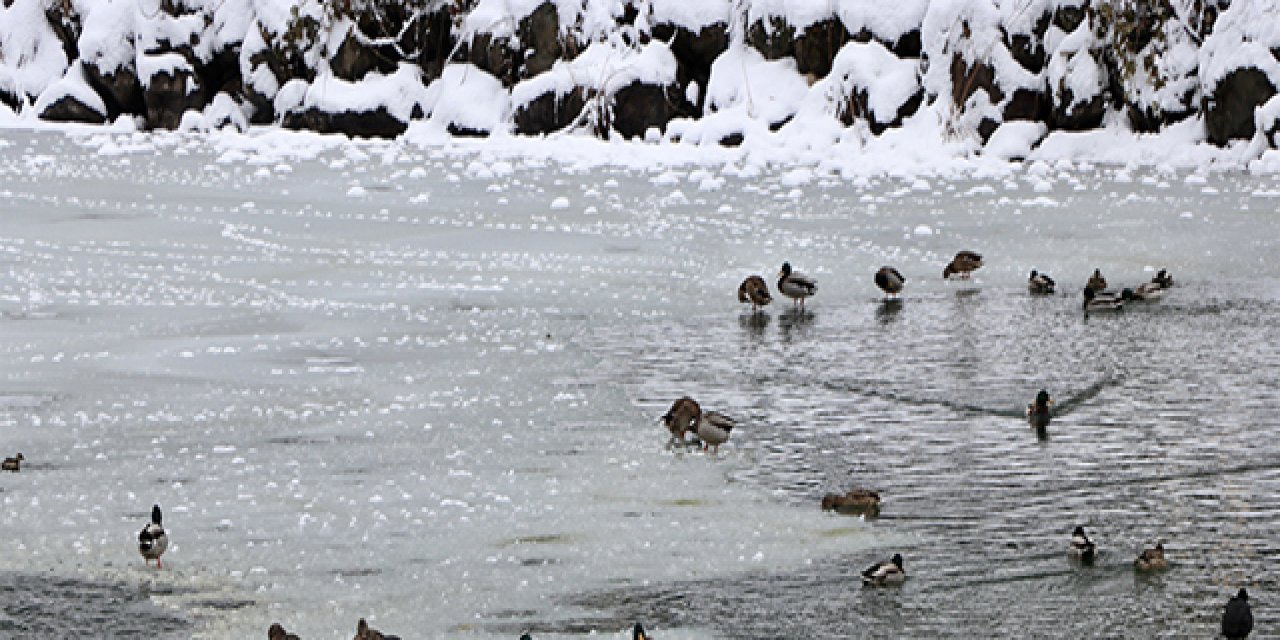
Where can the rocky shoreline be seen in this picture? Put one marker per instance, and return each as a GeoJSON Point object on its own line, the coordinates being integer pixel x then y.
{"type": "Point", "coordinates": [639, 69]}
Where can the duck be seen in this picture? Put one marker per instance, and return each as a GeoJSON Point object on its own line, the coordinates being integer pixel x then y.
{"type": "Point", "coordinates": [1145, 292]}
{"type": "Point", "coordinates": [886, 572]}
{"type": "Point", "coordinates": [152, 540]}
{"type": "Point", "coordinates": [277, 632]}
{"type": "Point", "coordinates": [525, 636]}
{"type": "Point", "coordinates": [12, 464]}
{"type": "Point", "coordinates": [365, 632]}
{"type": "Point", "coordinates": [1040, 283]}
{"type": "Point", "coordinates": [1096, 281]}
{"type": "Point", "coordinates": [795, 285]}
{"type": "Point", "coordinates": [1038, 411]}
{"type": "Point", "coordinates": [853, 501]}
{"type": "Point", "coordinates": [1151, 559]}
{"type": "Point", "coordinates": [890, 281]}
{"type": "Point", "coordinates": [964, 264]}
{"type": "Point", "coordinates": [637, 633]}
{"type": "Point", "coordinates": [1082, 547]}
{"type": "Point", "coordinates": [713, 430]}
{"type": "Point", "coordinates": [755, 291]}
{"type": "Point", "coordinates": [682, 417]}
{"type": "Point", "coordinates": [1096, 301]}
{"type": "Point", "coordinates": [1163, 278]}
{"type": "Point", "coordinates": [1237, 618]}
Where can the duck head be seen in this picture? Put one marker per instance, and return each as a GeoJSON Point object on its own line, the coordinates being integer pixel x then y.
{"type": "Point", "coordinates": [785, 271]}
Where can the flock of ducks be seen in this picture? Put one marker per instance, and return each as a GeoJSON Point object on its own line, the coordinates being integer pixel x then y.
{"type": "Point", "coordinates": [685, 414]}
{"type": "Point", "coordinates": [363, 632]}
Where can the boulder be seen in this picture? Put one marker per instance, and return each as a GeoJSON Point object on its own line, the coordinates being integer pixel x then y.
{"type": "Point", "coordinates": [639, 106]}
{"type": "Point", "coordinates": [171, 89]}
{"type": "Point", "coordinates": [817, 46]}
{"type": "Point", "coordinates": [375, 123]}
{"type": "Point", "coordinates": [72, 109]}
{"type": "Point", "coordinates": [549, 112]}
{"type": "Point", "coordinates": [1229, 106]}
{"type": "Point", "coordinates": [539, 34]}
{"type": "Point", "coordinates": [695, 52]}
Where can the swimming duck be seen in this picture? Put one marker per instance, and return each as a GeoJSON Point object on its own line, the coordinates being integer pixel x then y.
{"type": "Point", "coordinates": [1237, 618]}
{"type": "Point", "coordinates": [1095, 301]}
{"type": "Point", "coordinates": [795, 285]}
{"type": "Point", "coordinates": [1040, 283]}
{"type": "Point", "coordinates": [277, 632]}
{"type": "Point", "coordinates": [854, 501]}
{"type": "Point", "coordinates": [963, 264]}
{"type": "Point", "coordinates": [1145, 292]}
{"type": "Point", "coordinates": [1096, 281]}
{"type": "Point", "coordinates": [1038, 411]}
{"type": "Point", "coordinates": [12, 464]}
{"type": "Point", "coordinates": [637, 633]}
{"type": "Point", "coordinates": [887, 572]}
{"type": "Point", "coordinates": [1151, 559]}
{"type": "Point", "coordinates": [713, 429]}
{"type": "Point", "coordinates": [755, 291]}
{"type": "Point", "coordinates": [1163, 278]}
{"type": "Point", "coordinates": [681, 417]}
{"type": "Point", "coordinates": [152, 540]}
{"type": "Point", "coordinates": [890, 281]}
{"type": "Point", "coordinates": [365, 632]}
{"type": "Point", "coordinates": [1081, 546]}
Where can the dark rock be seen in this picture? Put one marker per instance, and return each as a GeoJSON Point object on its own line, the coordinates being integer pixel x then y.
{"type": "Point", "coordinates": [65, 23]}
{"type": "Point", "coordinates": [817, 46]}
{"type": "Point", "coordinates": [908, 45]}
{"type": "Point", "coordinates": [169, 94]}
{"type": "Point", "coordinates": [859, 108]}
{"type": "Point", "coordinates": [1073, 115]}
{"type": "Point", "coordinates": [967, 80]}
{"type": "Point", "coordinates": [694, 53]}
{"type": "Point", "coordinates": [352, 60]}
{"type": "Point", "coordinates": [1069, 18]}
{"type": "Point", "coordinates": [119, 89]}
{"type": "Point", "coordinates": [493, 55]}
{"type": "Point", "coordinates": [987, 127]}
{"type": "Point", "coordinates": [548, 112]}
{"type": "Point", "coordinates": [732, 140]}
{"type": "Point", "coordinates": [460, 131]}
{"type": "Point", "coordinates": [1027, 104]}
{"type": "Point", "coordinates": [378, 123]}
{"type": "Point", "coordinates": [427, 40]}
{"type": "Point", "coordinates": [1228, 110]}
{"type": "Point", "coordinates": [539, 33]}
{"type": "Point", "coordinates": [774, 39]}
{"type": "Point", "coordinates": [70, 109]}
{"type": "Point", "coordinates": [1028, 51]}
{"type": "Point", "coordinates": [638, 107]}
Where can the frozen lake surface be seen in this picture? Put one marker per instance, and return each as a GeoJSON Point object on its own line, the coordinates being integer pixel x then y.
{"type": "Point", "coordinates": [422, 386]}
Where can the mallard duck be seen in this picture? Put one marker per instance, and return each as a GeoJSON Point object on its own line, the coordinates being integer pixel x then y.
{"type": "Point", "coordinates": [1040, 283]}
{"type": "Point", "coordinates": [964, 264]}
{"type": "Point", "coordinates": [13, 464]}
{"type": "Point", "coordinates": [365, 632]}
{"type": "Point", "coordinates": [1097, 282]}
{"type": "Point", "coordinates": [890, 281]}
{"type": "Point", "coordinates": [1081, 547]}
{"type": "Point", "coordinates": [1163, 278]}
{"type": "Point", "coordinates": [277, 632]}
{"type": "Point", "coordinates": [152, 540]}
{"type": "Point", "coordinates": [681, 417]}
{"type": "Point", "coordinates": [795, 285]}
{"type": "Point", "coordinates": [1237, 618]}
{"type": "Point", "coordinates": [525, 636]}
{"type": "Point", "coordinates": [755, 291]}
{"type": "Point", "coordinates": [887, 572]}
{"type": "Point", "coordinates": [1095, 301]}
{"type": "Point", "coordinates": [1152, 558]}
{"type": "Point", "coordinates": [1145, 292]}
{"type": "Point", "coordinates": [854, 501]}
{"type": "Point", "coordinates": [1038, 411]}
{"type": "Point", "coordinates": [713, 430]}
{"type": "Point", "coordinates": [637, 633]}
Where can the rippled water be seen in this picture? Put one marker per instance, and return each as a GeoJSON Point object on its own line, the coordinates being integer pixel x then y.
{"type": "Point", "coordinates": [1163, 430]}
{"type": "Point", "coordinates": [422, 386]}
